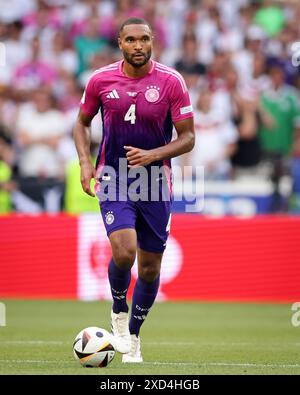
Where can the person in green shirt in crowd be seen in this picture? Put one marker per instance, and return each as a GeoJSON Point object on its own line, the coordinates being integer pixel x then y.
{"type": "Point", "coordinates": [89, 44]}
{"type": "Point", "coordinates": [270, 17]}
{"type": "Point", "coordinates": [282, 103]}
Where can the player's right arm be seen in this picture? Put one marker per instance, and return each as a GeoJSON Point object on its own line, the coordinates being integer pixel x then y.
{"type": "Point", "coordinates": [82, 138]}
{"type": "Point", "coordinates": [90, 104]}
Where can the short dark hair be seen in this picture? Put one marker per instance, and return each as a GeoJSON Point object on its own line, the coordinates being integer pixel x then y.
{"type": "Point", "coordinates": [134, 21]}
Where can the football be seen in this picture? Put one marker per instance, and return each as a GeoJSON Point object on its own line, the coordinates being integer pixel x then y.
{"type": "Point", "coordinates": [93, 347]}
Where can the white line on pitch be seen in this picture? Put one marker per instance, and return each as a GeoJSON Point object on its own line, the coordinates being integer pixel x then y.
{"type": "Point", "coordinates": [157, 343]}
{"type": "Point", "coordinates": [32, 361]}
{"type": "Point", "coordinates": [174, 343]}
{"type": "Point", "coordinates": [233, 364]}
{"type": "Point", "coordinates": [259, 365]}
{"type": "Point", "coordinates": [31, 342]}
{"type": "Point", "coordinates": [42, 342]}
{"type": "Point", "coordinates": [199, 364]}
{"type": "Point", "coordinates": [221, 344]}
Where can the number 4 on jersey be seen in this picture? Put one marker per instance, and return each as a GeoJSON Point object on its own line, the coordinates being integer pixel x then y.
{"type": "Point", "coordinates": [130, 115]}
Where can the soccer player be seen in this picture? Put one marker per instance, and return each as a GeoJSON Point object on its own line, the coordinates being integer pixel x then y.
{"type": "Point", "coordinates": [140, 101]}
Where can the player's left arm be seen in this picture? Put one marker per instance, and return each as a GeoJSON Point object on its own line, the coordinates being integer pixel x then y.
{"type": "Point", "coordinates": [184, 142]}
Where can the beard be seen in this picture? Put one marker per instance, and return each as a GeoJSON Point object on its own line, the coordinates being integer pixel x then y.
{"type": "Point", "coordinates": [140, 62]}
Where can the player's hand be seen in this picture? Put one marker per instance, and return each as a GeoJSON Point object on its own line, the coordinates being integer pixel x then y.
{"type": "Point", "coordinates": [139, 157]}
{"type": "Point", "coordinates": [87, 173]}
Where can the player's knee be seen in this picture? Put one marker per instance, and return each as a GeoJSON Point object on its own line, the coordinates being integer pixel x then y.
{"type": "Point", "coordinates": [125, 257]}
{"type": "Point", "coordinates": [149, 273]}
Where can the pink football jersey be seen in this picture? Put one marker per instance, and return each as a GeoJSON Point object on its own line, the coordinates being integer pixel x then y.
{"type": "Point", "coordinates": [138, 112]}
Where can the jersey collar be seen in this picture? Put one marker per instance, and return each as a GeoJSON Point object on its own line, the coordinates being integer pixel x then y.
{"type": "Point", "coordinates": [121, 69]}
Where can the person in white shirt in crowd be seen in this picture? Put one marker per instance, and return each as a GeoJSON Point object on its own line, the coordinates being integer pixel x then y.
{"type": "Point", "coordinates": [255, 41]}
{"type": "Point", "coordinates": [216, 138]}
{"type": "Point", "coordinates": [43, 22]}
{"type": "Point", "coordinates": [14, 10]}
{"type": "Point", "coordinates": [40, 135]}
{"type": "Point", "coordinates": [17, 52]}
{"type": "Point", "coordinates": [61, 56]}
{"type": "Point", "coordinates": [259, 82]}
{"type": "Point", "coordinates": [40, 130]}
{"type": "Point", "coordinates": [214, 30]}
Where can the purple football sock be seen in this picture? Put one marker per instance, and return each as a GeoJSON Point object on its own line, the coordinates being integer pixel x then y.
{"type": "Point", "coordinates": [144, 295]}
{"type": "Point", "coordinates": [119, 282]}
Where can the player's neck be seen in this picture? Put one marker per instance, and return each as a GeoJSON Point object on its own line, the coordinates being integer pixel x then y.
{"type": "Point", "coordinates": [136, 72]}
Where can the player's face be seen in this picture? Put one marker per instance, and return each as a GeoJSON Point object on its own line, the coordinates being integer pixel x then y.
{"type": "Point", "coordinates": [136, 43]}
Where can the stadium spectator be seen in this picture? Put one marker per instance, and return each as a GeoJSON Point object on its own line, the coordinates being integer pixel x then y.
{"type": "Point", "coordinates": [123, 9]}
{"type": "Point", "coordinates": [247, 115]}
{"type": "Point", "coordinates": [40, 131]}
{"type": "Point", "coordinates": [216, 139]}
{"type": "Point", "coordinates": [229, 37]}
{"type": "Point", "coordinates": [89, 43]}
{"type": "Point", "coordinates": [79, 13]}
{"type": "Point", "coordinates": [17, 52]}
{"type": "Point", "coordinates": [270, 17]}
{"type": "Point", "coordinates": [60, 55]}
{"type": "Point", "coordinates": [97, 60]}
{"type": "Point", "coordinates": [14, 10]}
{"type": "Point", "coordinates": [281, 101]}
{"type": "Point", "coordinates": [40, 127]}
{"type": "Point", "coordinates": [188, 64]}
{"type": "Point", "coordinates": [68, 93]}
{"type": "Point", "coordinates": [8, 113]}
{"type": "Point", "coordinates": [152, 14]}
{"type": "Point", "coordinates": [35, 72]}
{"type": "Point", "coordinates": [216, 70]}
{"type": "Point", "coordinates": [215, 78]}
{"type": "Point", "coordinates": [206, 29]}
{"type": "Point", "coordinates": [243, 58]}
{"type": "Point", "coordinates": [259, 81]}
{"type": "Point", "coordinates": [43, 22]}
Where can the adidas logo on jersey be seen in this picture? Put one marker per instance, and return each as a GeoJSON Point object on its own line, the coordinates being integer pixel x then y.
{"type": "Point", "coordinates": [113, 95]}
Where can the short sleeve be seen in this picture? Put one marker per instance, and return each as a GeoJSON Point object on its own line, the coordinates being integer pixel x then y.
{"type": "Point", "coordinates": [181, 107]}
{"type": "Point", "coordinates": [90, 101]}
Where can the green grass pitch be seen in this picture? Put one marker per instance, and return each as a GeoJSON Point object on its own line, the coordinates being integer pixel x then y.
{"type": "Point", "coordinates": [177, 338]}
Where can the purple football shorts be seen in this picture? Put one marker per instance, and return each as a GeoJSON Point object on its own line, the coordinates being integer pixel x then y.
{"type": "Point", "coordinates": [150, 219]}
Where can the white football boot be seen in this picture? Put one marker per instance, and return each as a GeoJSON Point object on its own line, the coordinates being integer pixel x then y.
{"type": "Point", "coordinates": [134, 356]}
{"type": "Point", "coordinates": [120, 331]}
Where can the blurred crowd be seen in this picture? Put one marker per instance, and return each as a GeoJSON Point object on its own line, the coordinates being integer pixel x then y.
{"type": "Point", "coordinates": [238, 57]}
